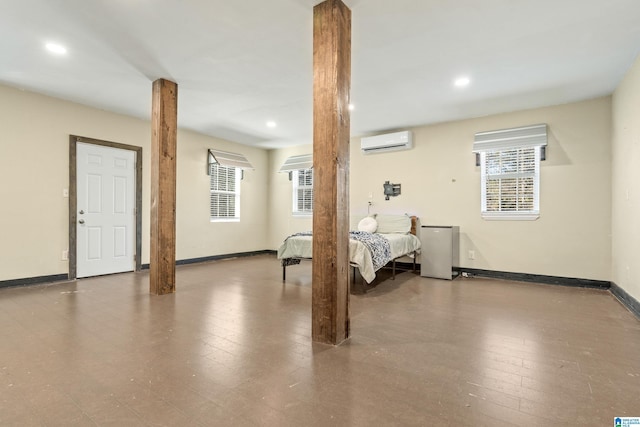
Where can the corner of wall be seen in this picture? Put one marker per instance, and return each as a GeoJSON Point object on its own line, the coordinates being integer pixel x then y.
{"type": "Point", "coordinates": [625, 183]}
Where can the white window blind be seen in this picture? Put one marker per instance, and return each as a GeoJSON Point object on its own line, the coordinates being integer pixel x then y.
{"type": "Point", "coordinates": [302, 191]}
{"type": "Point", "coordinates": [510, 172]}
{"type": "Point", "coordinates": [225, 193]}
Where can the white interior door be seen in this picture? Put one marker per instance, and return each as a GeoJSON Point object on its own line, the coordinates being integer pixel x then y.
{"type": "Point", "coordinates": [105, 238]}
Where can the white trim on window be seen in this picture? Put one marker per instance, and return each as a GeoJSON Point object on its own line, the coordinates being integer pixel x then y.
{"type": "Point", "coordinates": [302, 180]}
{"type": "Point", "coordinates": [510, 183]}
{"type": "Point", "coordinates": [510, 172]}
{"type": "Point", "coordinates": [224, 193]}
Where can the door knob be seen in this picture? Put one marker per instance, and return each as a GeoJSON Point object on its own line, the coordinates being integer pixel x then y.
{"type": "Point", "coordinates": [81, 221]}
{"type": "Point", "coordinates": [81, 211]}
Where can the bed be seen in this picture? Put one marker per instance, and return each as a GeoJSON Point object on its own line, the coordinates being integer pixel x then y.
{"type": "Point", "coordinates": [378, 241]}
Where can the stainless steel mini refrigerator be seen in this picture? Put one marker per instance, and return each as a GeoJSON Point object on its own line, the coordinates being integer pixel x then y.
{"type": "Point", "coordinates": [440, 251]}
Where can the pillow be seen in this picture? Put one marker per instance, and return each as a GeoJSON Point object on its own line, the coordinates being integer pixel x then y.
{"type": "Point", "coordinates": [394, 224]}
{"type": "Point", "coordinates": [355, 219]}
{"type": "Point", "coordinates": [368, 224]}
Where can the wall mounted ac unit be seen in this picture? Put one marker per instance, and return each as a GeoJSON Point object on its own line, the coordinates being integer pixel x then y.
{"type": "Point", "coordinates": [388, 142]}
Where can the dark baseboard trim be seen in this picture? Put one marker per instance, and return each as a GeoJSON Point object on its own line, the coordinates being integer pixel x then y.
{"type": "Point", "coordinates": [627, 300]}
{"type": "Point", "coordinates": [218, 257]}
{"type": "Point", "coordinates": [536, 278]}
{"type": "Point", "coordinates": [65, 277]}
{"type": "Point", "coordinates": [33, 280]}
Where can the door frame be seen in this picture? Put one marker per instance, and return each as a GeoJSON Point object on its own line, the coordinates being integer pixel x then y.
{"type": "Point", "coordinates": [73, 198]}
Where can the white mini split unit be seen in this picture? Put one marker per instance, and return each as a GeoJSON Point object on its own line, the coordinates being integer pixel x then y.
{"type": "Point", "coordinates": [388, 142]}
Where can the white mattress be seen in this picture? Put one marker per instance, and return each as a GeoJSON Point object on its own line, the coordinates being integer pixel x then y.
{"type": "Point", "coordinates": [359, 255]}
{"type": "Point", "coordinates": [402, 244]}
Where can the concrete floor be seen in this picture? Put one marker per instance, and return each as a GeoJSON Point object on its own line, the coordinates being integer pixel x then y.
{"type": "Point", "coordinates": [232, 347]}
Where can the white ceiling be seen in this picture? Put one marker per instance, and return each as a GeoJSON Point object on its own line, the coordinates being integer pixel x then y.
{"type": "Point", "coordinates": [241, 63]}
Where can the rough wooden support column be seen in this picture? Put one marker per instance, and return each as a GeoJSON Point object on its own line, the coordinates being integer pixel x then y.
{"type": "Point", "coordinates": [331, 87]}
{"type": "Point", "coordinates": [164, 122]}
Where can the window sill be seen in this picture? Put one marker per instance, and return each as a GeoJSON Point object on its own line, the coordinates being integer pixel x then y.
{"type": "Point", "coordinates": [302, 214]}
{"type": "Point", "coordinates": [510, 216]}
{"type": "Point", "coordinates": [224, 220]}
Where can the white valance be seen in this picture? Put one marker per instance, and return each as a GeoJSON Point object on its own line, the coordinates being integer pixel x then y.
{"type": "Point", "coordinates": [295, 163]}
{"type": "Point", "coordinates": [224, 158]}
{"type": "Point", "coordinates": [505, 139]}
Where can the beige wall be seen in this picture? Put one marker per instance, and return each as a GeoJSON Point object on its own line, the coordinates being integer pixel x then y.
{"type": "Point", "coordinates": [196, 236]}
{"type": "Point", "coordinates": [441, 185]}
{"type": "Point", "coordinates": [626, 183]}
{"type": "Point", "coordinates": [34, 169]}
{"type": "Point", "coordinates": [283, 222]}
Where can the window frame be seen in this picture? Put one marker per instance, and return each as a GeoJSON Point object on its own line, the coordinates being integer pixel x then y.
{"type": "Point", "coordinates": [238, 180]}
{"type": "Point", "coordinates": [295, 179]}
{"type": "Point", "coordinates": [485, 178]}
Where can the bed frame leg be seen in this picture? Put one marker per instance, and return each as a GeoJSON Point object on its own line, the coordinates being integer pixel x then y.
{"type": "Point", "coordinates": [414, 261]}
{"type": "Point", "coordinates": [284, 273]}
{"type": "Point", "coordinates": [393, 274]}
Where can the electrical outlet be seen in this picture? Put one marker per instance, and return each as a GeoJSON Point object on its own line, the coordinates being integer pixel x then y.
{"type": "Point", "coordinates": [472, 254]}
{"type": "Point", "coordinates": [65, 192]}
{"type": "Point", "coordinates": [65, 255]}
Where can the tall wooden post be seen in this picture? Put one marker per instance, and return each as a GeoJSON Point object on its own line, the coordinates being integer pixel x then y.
{"type": "Point", "coordinates": [331, 87]}
{"type": "Point", "coordinates": [164, 125]}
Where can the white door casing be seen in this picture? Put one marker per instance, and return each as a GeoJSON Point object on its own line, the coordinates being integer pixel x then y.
{"type": "Point", "coordinates": [105, 226]}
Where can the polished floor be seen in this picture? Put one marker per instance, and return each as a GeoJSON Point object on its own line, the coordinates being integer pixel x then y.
{"type": "Point", "coordinates": [232, 348]}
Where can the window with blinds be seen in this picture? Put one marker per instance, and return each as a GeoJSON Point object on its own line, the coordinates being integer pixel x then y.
{"type": "Point", "coordinates": [510, 180]}
{"type": "Point", "coordinates": [510, 171]}
{"type": "Point", "coordinates": [303, 191]}
{"type": "Point", "coordinates": [225, 193]}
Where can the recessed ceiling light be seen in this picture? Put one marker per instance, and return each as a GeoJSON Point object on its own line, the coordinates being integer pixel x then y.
{"type": "Point", "coordinates": [351, 107]}
{"type": "Point", "coordinates": [56, 48]}
{"type": "Point", "coordinates": [461, 81]}
{"type": "Point", "coordinates": [271, 124]}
